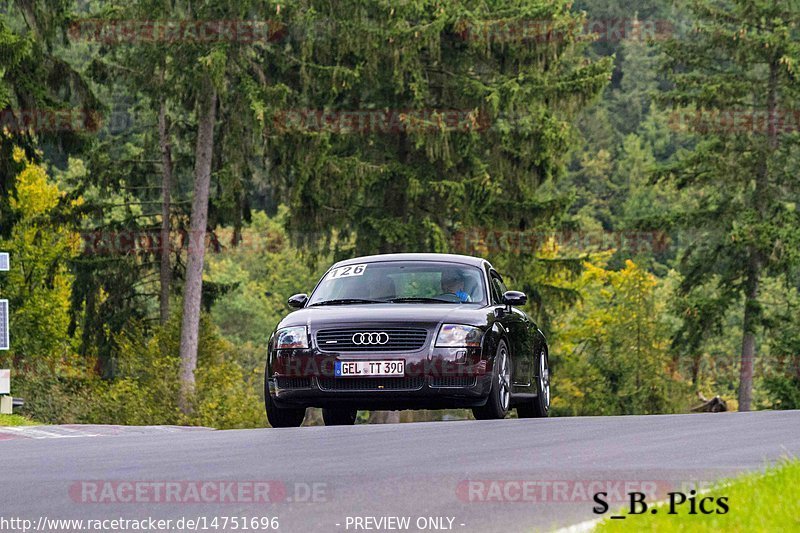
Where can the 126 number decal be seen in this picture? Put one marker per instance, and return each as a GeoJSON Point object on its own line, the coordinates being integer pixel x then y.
{"type": "Point", "coordinates": [346, 271]}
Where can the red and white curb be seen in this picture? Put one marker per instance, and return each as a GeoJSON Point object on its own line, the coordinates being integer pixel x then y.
{"type": "Point", "coordinates": [79, 430]}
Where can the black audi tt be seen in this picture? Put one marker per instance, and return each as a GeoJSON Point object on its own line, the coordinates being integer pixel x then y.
{"type": "Point", "coordinates": [407, 331]}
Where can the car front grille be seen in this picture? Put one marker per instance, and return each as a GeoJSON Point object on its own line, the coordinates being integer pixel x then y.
{"type": "Point", "coordinates": [293, 383]}
{"type": "Point", "coordinates": [453, 381]}
{"type": "Point", "coordinates": [371, 384]}
{"type": "Point", "coordinates": [394, 340]}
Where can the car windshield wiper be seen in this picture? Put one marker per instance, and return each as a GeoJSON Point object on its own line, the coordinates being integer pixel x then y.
{"type": "Point", "coordinates": [422, 299]}
{"type": "Point", "coordinates": [346, 301]}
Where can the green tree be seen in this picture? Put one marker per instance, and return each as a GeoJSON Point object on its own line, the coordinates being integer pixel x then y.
{"type": "Point", "coordinates": [613, 347]}
{"type": "Point", "coordinates": [35, 84]}
{"type": "Point", "coordinates": [411, 185]}
{"type": "Point", "coordinates": [741, 56]}
{"type": "Point", "coordinates": [39, 283]}
{"type": "Point", "coordinates": [206, 85]}
{"type": "Point", "coordinates": [430, 180]}
{"type": "Point", "coordinates": [262, 272]}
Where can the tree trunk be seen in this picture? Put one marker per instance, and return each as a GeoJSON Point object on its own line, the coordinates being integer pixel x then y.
{"type": "Point", "coordinates": [696, 359]}
{"type": "Point", "coordinates": [166, 186]}
{"type": "Point", "coordinates": [754, 262]}
{"type": "Point", "coordinates": [194, 267]}
{"type": "Point", "coordinates": [748, 338]}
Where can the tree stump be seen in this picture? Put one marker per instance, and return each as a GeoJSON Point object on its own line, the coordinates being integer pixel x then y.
{"type": "Point", "coordinates": [714, 405]}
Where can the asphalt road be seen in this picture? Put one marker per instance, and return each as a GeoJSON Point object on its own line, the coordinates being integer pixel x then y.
{"type": "Point", "coordinates": [535, 474]}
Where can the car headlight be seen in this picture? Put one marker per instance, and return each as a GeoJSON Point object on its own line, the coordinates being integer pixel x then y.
{"type": "Point", "coordinates": [458, 336]}
{"type": "Point", "coordinates": [294, 337]}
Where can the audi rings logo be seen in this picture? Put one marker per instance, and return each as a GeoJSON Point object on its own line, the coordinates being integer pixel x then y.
{"type": "Point", "coordinates": [375, 337]}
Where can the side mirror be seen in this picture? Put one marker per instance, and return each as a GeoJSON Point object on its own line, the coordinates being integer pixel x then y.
{"type": "Point", "coordinates": [514, 298]}
{"type": "Point", "coordinates": [298, 300]}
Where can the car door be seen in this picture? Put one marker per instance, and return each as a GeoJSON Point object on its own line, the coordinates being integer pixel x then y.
{"type": "Point", "coordinates": [517, 326]}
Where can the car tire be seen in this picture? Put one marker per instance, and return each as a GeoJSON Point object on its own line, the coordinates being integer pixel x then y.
{"type": "Point", "coordinates": [339, 416]}
{"type": "Point", "coordinates": [283, 417]}
{"type": "Point", "coordinates": [499, 401]}
{"type": "Point", "coordinates": [538, 407]}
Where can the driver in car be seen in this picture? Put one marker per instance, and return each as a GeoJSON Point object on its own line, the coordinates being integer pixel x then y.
{"type": "Point", "coordinates": [453, 283]}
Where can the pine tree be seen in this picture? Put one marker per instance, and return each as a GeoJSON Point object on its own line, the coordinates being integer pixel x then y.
{"type": "Point", "coordinates": [479, 99]}
{"type": "Point", "coordinates": [734, 78]}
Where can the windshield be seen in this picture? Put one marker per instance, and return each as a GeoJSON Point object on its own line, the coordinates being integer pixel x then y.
{"type": "Point", "coordinates": [399, 282]}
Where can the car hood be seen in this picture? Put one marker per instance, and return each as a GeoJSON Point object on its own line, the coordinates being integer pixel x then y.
{"type": "Point", "coordinates": [367, 314]}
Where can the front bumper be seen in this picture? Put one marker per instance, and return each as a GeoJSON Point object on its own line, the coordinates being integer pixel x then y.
{"type": "Point", "coordinates": [441, 378]}
{"type": "Point", "coordinates": [423, 392]}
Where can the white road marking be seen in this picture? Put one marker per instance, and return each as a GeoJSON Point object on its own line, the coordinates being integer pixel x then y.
{"type": "Point", "coordinates": [77, 431]}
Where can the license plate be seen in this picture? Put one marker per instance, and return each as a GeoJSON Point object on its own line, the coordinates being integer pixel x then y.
{"type": "Point", "coordinates": [370, 368]}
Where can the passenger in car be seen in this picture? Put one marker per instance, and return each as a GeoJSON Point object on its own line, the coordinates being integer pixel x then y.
{"type": "Point", "coordinates": [383, 288]}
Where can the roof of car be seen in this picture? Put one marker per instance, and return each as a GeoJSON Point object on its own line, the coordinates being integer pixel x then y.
{"type": "Point", "coordinates": [447, 258]}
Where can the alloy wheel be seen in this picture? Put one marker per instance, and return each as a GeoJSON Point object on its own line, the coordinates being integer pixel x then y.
{"type": "Point", "coordinates": [504, 381]}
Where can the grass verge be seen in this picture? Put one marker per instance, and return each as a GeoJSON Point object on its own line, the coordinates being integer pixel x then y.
{"type": "Point", "coordinates": [16, 420]}
{"type": "Point", "coordinates": [757, 502]}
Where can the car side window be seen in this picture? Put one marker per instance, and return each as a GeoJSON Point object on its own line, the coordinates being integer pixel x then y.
{"type": "Point", "coordinates": [498, 287]}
